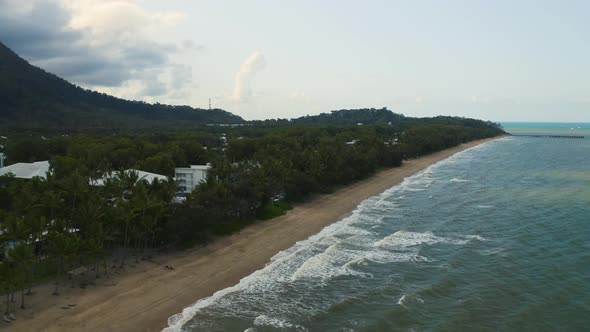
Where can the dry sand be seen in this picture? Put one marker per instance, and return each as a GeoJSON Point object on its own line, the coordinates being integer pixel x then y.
{"type": "Point", "coordinates": [143, 297]}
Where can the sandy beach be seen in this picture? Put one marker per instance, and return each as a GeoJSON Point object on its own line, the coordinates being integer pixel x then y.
{"type": "Point", "coordinates": [143, 297]}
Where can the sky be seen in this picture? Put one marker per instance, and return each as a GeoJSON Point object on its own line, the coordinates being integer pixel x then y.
{"type": "Point", "coordinates": [494, 60]}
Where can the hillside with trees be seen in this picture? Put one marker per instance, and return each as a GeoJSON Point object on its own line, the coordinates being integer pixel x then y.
{"type": "Point", "coordinates": [32, 98]}
{"type": "Point", "coordinates": [372, 116]}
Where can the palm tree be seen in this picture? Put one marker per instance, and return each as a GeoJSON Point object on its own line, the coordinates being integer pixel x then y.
{"type": "Point", "coordinates": [8, 274]}
{"type": "Point", "coordinates": [91, 212]}
{"type": "Point", "coordinates": [125, 215]}
{"type": "Point", "coordinates": [143, 201]}
{"type": "Point", "coordinates": [152, 226]}
{"type": "Point", "coordinates": [73, 253]}
{"type": "Point", "coordinates": [108, 232]}
{"type": "Point", "coordinates": [164, 190]}
{"type": "Point", "coordinates": [74, 187]}
{"type": "Point", "coordinates": [94, 250]}
{"type": "Point", "coordinates": [59, 248]}
{"type": "Point", "coordinates": [15, 231]}
{"type": "Point", "coordinates": [15, 228]}
{"type": "Point", "coordinates": [51, 203]}
{"type": "Point", "coordinates": [6, 282]}
{"type": "Point", "coordinates": [37, 224]}
{"type": "Point", "coordinates": [126, 181]}
{"type": "Point", "coordinates": [23, 257]}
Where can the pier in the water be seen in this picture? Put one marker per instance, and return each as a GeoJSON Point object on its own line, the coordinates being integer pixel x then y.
{"type": "Point", "coordinates": [550, 136]}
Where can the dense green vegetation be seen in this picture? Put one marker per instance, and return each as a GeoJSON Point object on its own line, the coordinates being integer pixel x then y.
{"type": "Point", "coordinates": [381, 116]}
{"type": "Point", "coordinates": [54, 225]}
{"type": "Point", "coordinates": [33, 98]}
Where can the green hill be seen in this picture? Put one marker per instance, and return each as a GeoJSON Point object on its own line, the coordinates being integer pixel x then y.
{"type": "Point", "coordinates": [35, 99]}
{"type": "Point", "coordinates": [353, 117]}
{"type": "Point", "coordinates": [383, 116]}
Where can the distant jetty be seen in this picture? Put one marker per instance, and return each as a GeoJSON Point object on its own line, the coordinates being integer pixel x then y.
{"type": "Point", "coordinates": [551, 136]}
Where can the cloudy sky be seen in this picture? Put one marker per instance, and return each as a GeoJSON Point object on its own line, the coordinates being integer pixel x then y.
{"type": "Point", "coordinates": [498, 60]}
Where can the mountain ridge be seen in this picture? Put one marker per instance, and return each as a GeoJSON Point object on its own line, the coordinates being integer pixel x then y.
{"type": "Point", "coordinates": [33, 98]}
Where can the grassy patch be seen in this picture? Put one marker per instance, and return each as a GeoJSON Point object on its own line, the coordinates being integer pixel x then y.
{"type": "Point", "coordinates": [273, 209]}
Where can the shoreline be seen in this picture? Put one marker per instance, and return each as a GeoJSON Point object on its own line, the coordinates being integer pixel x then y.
{"type": "Point", "coordinates": [143, 297]}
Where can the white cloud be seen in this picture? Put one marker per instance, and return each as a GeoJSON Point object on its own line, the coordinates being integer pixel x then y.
{"type": "Point", "coordinates": [110, 21]}
{"type": "Point", "coordinates": [16, 7]}
{"type": "Point", "coordinates": [243, 81]}
{"type": "Point", "coordinates": [106, 45]}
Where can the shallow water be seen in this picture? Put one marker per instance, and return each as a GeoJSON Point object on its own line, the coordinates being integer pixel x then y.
{"type": "Point", "coordinates": [494, 238]}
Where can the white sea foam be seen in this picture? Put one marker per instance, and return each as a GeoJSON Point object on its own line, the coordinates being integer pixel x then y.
{"type": "Point", "coordinates": [363, 261]}
{"type": "Point", "coordinates": [484, 206]}
{"type": "Point", "coordinates": [414, 189]}
{"type": "Point", "coordinates": [264, 320]}
{"type": "Point", "coordinates": [276, 271]}
{"type": "Point", "coordinates": [385, 256]}
{"type": "Point", "coordinates": [401, 300]}
{"type": "Point", "coordinates": [476, 237]}
{"type": "Point", "coordinates": [329, 264]}
{"type": "Point", "coordinates": [418, 259]}
{"type": "Point", "coordinates": [403, 239]}
{"type": "Point", "coordinates": [407, 299]}
{"type": "Point", "coordinates": [492, 252]}
{"type": "Point", "coordinates": [458, 180]}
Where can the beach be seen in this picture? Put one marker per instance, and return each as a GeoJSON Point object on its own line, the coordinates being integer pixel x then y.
{"type": "Point", "coordinates": [145, 296]}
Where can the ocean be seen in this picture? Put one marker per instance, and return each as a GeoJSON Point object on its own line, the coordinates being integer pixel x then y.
{"type": "Point", "coordinates": [551, 128]}
{"type": "Point", "coordinates": [494, 238]}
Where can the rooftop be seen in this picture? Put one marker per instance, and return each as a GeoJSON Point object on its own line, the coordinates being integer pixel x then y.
{"type": "Point", "coordinates": [197, 167]}
{"type": "Point", "coordinates": [142, 175]}
{"type": "Point", "coordinates": [201, 167]}
{"type": "Point", "coordinates": [27, 170]}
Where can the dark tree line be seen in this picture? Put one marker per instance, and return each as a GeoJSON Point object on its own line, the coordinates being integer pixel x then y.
{"type": "Point", "coordinates": [64, 223]}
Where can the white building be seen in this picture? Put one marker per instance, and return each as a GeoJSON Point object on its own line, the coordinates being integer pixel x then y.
{"type": "Point", "coordinates": [27, 170]}
{"type": "Point", "coordinates": [187, 178]}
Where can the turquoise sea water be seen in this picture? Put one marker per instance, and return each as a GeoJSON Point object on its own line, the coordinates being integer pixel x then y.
{"type": "Point", "coordinates": [554, 128]}
{"type": "Point", "coordinates": [495, 238]}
